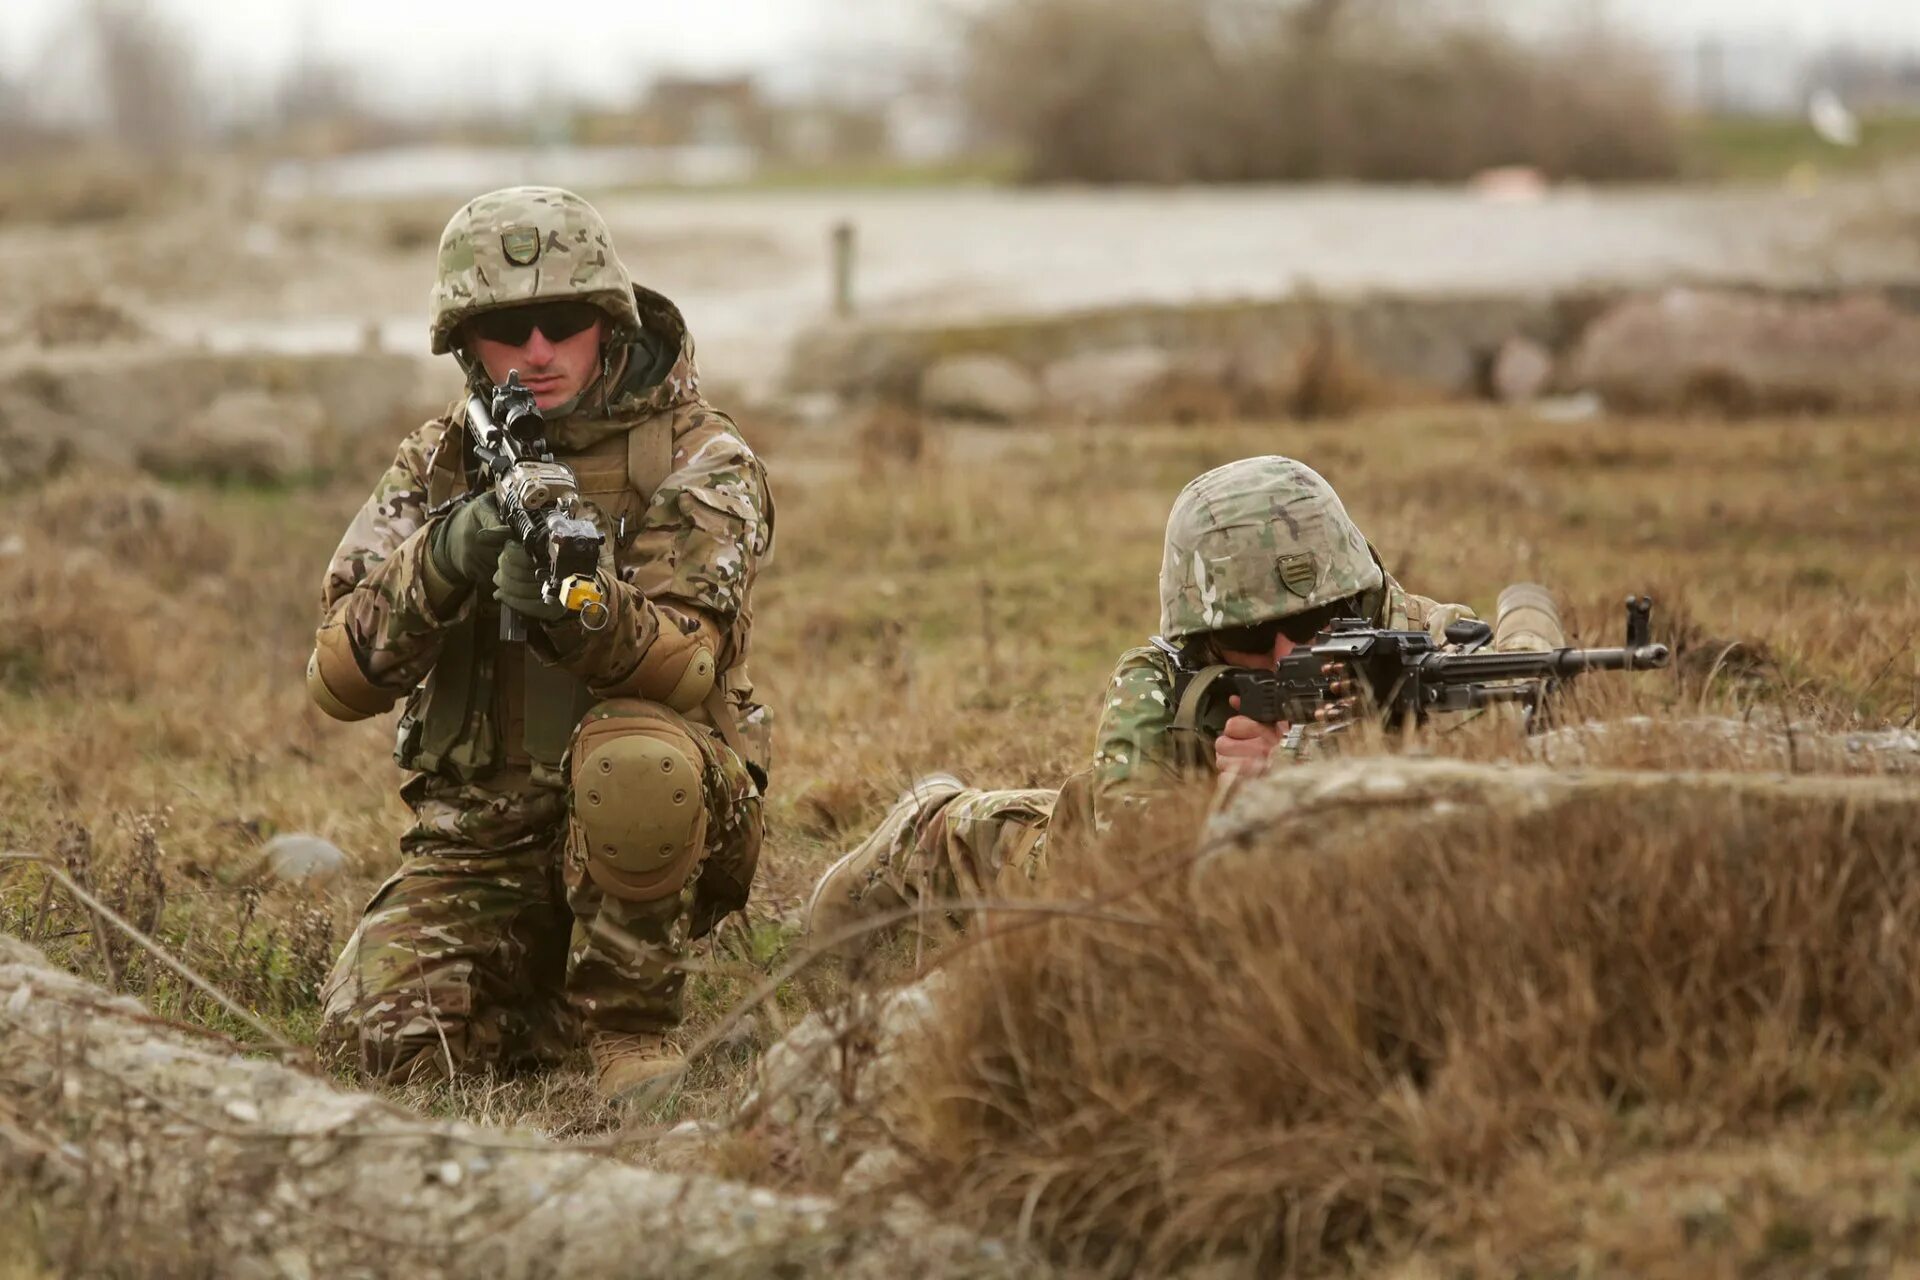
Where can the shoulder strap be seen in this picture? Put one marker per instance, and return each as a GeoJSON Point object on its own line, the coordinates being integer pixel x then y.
{"type": "Point", "coordinates": [446, 469]}
{"type": "Point", "coordinates": [650, 455]}
{"type": "Point", "coordinates": [1186, 716]}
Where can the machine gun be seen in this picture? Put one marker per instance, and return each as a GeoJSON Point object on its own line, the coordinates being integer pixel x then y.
{"type": "Point", "coordinates": [540, 501]}
{"type": "Point", "coordinates": [1353, 668]}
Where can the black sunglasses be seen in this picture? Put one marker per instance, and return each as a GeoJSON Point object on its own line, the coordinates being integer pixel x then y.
{"type": "Point", "coordinates": [1300, 628]}
{"type": "Point", "coordinates": [514, 325]}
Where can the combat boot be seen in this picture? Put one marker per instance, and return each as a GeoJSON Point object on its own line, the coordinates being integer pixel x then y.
{"type": "Point", "coordinates": [855, 887]}
{"type": "Point", "coordinates": [626, 1062]}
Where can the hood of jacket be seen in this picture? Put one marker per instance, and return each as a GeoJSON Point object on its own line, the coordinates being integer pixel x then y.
{"type": "Point", "coordinates": [654, 373]}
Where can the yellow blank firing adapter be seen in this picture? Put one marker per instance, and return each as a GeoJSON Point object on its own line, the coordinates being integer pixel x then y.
{"type": "Point", "coordinates": [582, 595]}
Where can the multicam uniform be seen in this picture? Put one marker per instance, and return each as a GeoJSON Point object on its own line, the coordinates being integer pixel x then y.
{"type": "Point", "coordinates": [961, 842]}
{"type": "Point", "coordinates": [1226, 563]}
{"type": "Point", "coordinates": [514, 917]}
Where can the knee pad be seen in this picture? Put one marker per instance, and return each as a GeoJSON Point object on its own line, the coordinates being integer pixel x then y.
{"type": "Point", "coordinates": [638, 806]}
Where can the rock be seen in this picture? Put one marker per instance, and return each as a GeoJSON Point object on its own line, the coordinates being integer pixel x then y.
{"type": "Point", "coordinates": [840, 1062]}
{"type": "Point", "coordinates": [29, 456]}
{"type": "Point", "coordinates": [246, 1166]}
{"type": "Point", "coordinates": [1691, 349]}
{"type": "Point", "coordinates": [1522, 370]}
{"type": "Point", "coordinates": [1717, 742]}
{"type": "Point", "coordinates": [1327, 809]}
{"type": "Point", "coordinates": [83, 322]}
{"type": "Point", "coordinates": [1106, 384]}
{"type": "Point", "coordinates": [1583, 406]}
{"type": "Point", "coordinates": [253, 437]}
{"type": "Point", "coordinates": [302, 859]}
{"type": "Point", "coordinates": [985, 387]}
{"type": "Point", "coordinates": [687, 1147]}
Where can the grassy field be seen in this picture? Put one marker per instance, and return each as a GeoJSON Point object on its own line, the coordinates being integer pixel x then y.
{"type": "Point", "coordinates": [1736, 149]}
{"type": "Point", "coordinates": [939, 598]}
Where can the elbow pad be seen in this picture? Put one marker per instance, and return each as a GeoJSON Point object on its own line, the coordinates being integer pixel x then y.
{"type": "Point", "coordinates": [679, 668]}
{"type": "Point", "coordinates": [335, 682]}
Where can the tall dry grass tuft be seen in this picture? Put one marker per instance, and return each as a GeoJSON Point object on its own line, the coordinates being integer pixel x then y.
{"type": "Point", "coordinates": [1335, 1042]}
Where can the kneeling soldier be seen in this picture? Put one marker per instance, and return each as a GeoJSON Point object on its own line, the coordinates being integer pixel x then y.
{"type": "Point", "coordinates": [586, 800]}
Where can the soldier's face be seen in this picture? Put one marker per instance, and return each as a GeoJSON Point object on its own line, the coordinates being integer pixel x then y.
{"type": "Point", "coordinates": [555, 370]}
{"type": "Point", "coordinates": [1258, 661]}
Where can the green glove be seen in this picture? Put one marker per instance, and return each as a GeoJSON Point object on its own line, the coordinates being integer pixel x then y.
{"type": "Point", "coordinates": [466, 545]}
{"type": "Point", "coordinates": [517, 587]}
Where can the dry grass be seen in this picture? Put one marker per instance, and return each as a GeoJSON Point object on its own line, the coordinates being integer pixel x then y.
{"type": "Point", "coordinates": [954, 599]}
{"type": "Point", "coordinates": [1131, 91]}
{"type": "Point", "coordinates": [1346, 1040]}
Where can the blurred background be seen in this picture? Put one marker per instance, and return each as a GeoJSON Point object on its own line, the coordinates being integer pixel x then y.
{"type": "Point", "coordinates": [820, 183]}
{"type": "Point", "coordinates": [1609, 296]}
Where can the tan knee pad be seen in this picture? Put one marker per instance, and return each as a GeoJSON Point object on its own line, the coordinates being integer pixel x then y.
{"type": "Point", "coordinates": [638, 809]}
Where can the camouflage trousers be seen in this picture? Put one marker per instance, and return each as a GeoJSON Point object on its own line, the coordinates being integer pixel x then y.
{"type": "Point", "coordinates": [977, 844]}
{"type": "Point", "coordinates": [491, 945]}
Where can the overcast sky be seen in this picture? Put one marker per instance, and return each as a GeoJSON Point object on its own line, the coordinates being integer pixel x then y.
{"type": "Point", "coordinates": [431, 51]}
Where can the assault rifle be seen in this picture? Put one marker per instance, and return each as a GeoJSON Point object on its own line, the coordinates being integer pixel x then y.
{"type": "Point", "coordinates": [540, 501]}
{"type": "Point", "coordinates": [1353, 668]}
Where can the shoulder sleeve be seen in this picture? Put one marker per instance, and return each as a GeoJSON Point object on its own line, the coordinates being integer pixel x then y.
{"type": "Point", "coordinates": [392, 513]}
{"type": "Point", "coordinates": [708, 528]}
{"type": "Point", "coordinates": [1133, 752]}
{"type": "Point", "coordinates": [379, 634]}
{"type": "Point", "coordinates": [1401, 610]}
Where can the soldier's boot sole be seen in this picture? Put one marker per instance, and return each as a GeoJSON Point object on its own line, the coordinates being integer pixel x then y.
{"type": "Point", "coordinates": [852, 889]}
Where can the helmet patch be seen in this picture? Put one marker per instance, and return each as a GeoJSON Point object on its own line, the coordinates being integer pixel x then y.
{"type": "Point", "coordinates": [1297, 573]}
{"type": "Point", "coordinates": [521, 245]}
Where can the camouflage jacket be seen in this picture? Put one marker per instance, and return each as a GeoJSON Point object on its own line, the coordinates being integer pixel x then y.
{"type": "Point", "coordinates": [687, 560]}
{"type": "Point", "coordinates": [1134, 752]}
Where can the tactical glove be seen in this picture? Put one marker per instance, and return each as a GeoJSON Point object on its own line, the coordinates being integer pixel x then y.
{"type": "Point", "coordinates": [466, 545]}
{"type": "Point", "coordinates": [517, 587]}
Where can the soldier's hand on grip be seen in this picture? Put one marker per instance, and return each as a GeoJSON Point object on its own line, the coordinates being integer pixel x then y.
{"type": "Point", "coordinates": [466, 545]}
{"type": "Point", "coordinates": [516, 584]}
{"type": "Point", "coordinates": [1245, 745]}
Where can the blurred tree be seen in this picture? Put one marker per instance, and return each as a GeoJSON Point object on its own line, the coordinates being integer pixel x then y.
{"type": "Point", "coordinates": [1288, 90]}
{"type": "Point", "coordinates": [146, 78]}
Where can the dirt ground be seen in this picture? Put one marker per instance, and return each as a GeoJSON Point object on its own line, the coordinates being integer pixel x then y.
{"type": "Point", "coordinates": [940, 597]}
{"type": "Point", "coordinates": [223, 263]}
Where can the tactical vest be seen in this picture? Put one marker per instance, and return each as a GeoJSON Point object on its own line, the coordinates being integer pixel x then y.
{"type": "Point", "coordinates": [488, 705]}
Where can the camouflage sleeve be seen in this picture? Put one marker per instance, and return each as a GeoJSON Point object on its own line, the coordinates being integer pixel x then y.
{"type": "Point", "coordinates": [1404, 611]}
{"type": "Point", "coordinates": [698, 549]}
{"type": "Point", "coordinates": [374, 599]}
{"type": "Point", "coordinates": [1134, 754]}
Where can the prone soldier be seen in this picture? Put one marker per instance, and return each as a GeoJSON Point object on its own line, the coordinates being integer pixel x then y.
{"type": "Point", "coordinates": [1260, 556]}
{"type": "Point", "coordinates": [587, 798]}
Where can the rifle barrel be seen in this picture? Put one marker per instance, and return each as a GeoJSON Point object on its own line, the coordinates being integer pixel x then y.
{"type": "Point", "coordinates": [1465, 667]}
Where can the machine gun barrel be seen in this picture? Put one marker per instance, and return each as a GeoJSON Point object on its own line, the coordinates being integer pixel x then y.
{"type": "Point", "coordinates": [1353, 668]}
{"type": "Point", "coordinates": [1467, 668]}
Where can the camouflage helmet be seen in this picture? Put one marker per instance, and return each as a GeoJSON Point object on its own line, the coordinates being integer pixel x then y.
{"type": "Point", "coordinates": [527, 244]}
{"type": "Point", "coordinates": [1256, 540]}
